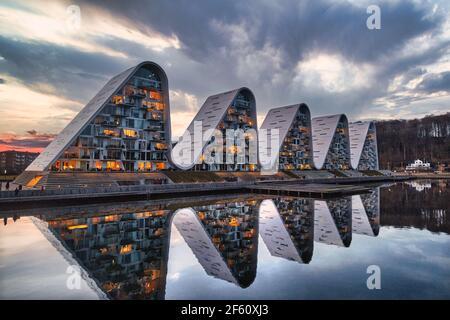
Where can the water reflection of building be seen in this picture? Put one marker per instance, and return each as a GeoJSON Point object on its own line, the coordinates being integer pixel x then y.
{"type": "Point", "coordinates": [333, 221]}
{"type": "Point", "coordinates": [366, 213]}
{"type": "Point", "coordinates": [287, 228]}
{"type": "Point", "coordinates": [126, 254]}
{"type": "Point", "coordinates": [224, 238]}
{"type": "Point", "coordinates": [419, 185]}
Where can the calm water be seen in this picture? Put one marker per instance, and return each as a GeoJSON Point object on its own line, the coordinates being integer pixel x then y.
{"type": "Point", "coordinates": [236, 247]}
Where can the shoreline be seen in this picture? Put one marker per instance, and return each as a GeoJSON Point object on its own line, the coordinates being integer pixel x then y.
{"type": "Point", "coordinates": [322, 188]}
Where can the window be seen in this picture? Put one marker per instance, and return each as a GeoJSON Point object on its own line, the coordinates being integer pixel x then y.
{"type": "Point", "coordinates": [130, 133]}
{"type": "Point", "coordinates": [113, 165]}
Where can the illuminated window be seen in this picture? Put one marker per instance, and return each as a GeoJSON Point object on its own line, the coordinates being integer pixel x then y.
{"type": "Point", "coordinates": [126, 249]}
{"type": "Point", "coordinates": [110, 132]}
{"type": "Point", "coordinates": [233, 222]}
{"type": "Point", "coordinates": [158, 106]}
{"type": "Point", "coordinates": [117, 99]}
{"type": "Point", "coordinates": [161, 146]}
{"type": "Point", "coordinates": [130, 133]}
{"type": "Point", "coordinates": [154, 95]}
{"type": "Point", "coordinates": [78, 226]}
{"type": "Point", "coordinates": [160, 166]}
{"type": "Point", "coordinates": [113, 165]}
{"type": "Point", "coordinates": [57, 165]}
{"type": "Point", "coordinates": [111, 218]}
{"type": "Point", "coordinates": [70, 165]}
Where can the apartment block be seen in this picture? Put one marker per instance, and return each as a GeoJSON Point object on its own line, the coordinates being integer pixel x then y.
{"type": "Point", "coordinates": [287, 228]}
{"type": "Point", "coordinates": [294, 128]}
{"type": "Point", "coordinates": [331, 144]}
{"type": "Point", "coordinates": [363, 145]}
{"type": "Point", "coordinates": [231, 110]}
{"type": "Point", "coordinates": [14, 162]}
{"type": "Point", "coordinates": [124, 128]}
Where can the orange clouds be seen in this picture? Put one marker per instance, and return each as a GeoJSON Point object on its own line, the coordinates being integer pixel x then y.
{"type": "Point", "coordinates": [31, 142]}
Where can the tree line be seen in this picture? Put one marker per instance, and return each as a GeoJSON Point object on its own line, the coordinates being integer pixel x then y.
{"type": "Point", "coordinates": [402, 141]}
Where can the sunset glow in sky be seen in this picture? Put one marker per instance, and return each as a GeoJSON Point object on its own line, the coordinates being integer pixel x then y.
{"type": "Point", "coordinates": [286, 51]}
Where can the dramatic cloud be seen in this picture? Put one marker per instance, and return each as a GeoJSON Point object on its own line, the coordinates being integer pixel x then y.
{"type": "Point", "coordinates": [436, 82]}
{"type": "Point", "coordinates": [285, 51]}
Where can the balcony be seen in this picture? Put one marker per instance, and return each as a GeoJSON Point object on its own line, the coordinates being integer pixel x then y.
{"type": "Point", "coordinates": [154, 115]}
{"type": "Point", "coordinates": [114, 146]}
{"type": "Point", "coordinates": [110, 123]}
{"type": "Point", "coordinates": [123, 101]}
{"type": "Point", "coordinates": [160, 146]}
{"type": "Point", "coordinates": [139, 93]}
{"type": "Point", "coordinates": [130, 134]}
{"type": "Point", "coordinates": [153, 128]}
{"type": "Point", "coordinates": [120, 113]}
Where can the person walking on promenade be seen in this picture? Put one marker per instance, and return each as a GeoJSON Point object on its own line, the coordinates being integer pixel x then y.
{"type": "Point", "coordinates": [16, 191]}
{"type": "Point", "coordinates": [7, 185]}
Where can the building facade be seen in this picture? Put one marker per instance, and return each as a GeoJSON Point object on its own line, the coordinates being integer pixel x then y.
{"type": "Point", "coordinates": [125, 127]}
{"type": "Point", "coordinates": [125, 253]}
{"type": "Point", "coordinates": [331, 143]}
{"type": "Point", "coordinates": [205, 144]}
{"type": "Point", "coordinates": [14, 162]}
{"type": "Point", "coordinates": [366, 213]}
{"type": "Point", "coordinates": [224, 239]}
{"type": "Point", "coordinates": [294, 128]}
{"type": "Point", "coordinates": [333, 221]}
{"type": "Point", "coordinates": [363, 145]}
{"type": "Point", "coordinates": [287, 228]}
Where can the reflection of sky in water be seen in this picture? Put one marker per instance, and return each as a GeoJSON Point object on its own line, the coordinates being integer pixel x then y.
{"type": "Point", "coordinates": [414, 263]}
{"type": "Point", "coordinates": [31, 268]}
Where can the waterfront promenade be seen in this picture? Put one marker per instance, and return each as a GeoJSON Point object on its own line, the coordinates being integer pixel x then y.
{"type": "Point", "coordinates": [320, 188]}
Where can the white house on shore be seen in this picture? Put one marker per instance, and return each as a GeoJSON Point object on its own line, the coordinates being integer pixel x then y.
{"type": "Point", "coordinates": [418, 165]}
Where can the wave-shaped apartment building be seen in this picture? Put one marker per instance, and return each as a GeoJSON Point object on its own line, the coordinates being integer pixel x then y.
{"type": "Point", "coordinates": [125, 128]}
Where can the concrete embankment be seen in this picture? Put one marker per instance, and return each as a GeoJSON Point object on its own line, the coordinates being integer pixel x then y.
{"type": "Point", "coordinates": [27, 198]}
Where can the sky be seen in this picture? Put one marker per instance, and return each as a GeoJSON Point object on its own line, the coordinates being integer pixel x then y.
{"type": "Point", "coordinates": [286, 51]}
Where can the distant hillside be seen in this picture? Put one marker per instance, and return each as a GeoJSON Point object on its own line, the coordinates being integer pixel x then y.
{"type": "Point", "coordinates": [402, 141]}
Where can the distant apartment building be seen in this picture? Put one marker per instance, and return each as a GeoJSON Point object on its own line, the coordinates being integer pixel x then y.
{"type": "Point", "coordinates": [331, 144]}
{"type": "Point", "coordinates": [14, 162]}
{"type": "Point", "coordinates": [363, 145]}
{"type": "Point", "coordinates": [231, 110]}
{"type": "Point", "coordinates": [294, 128]}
